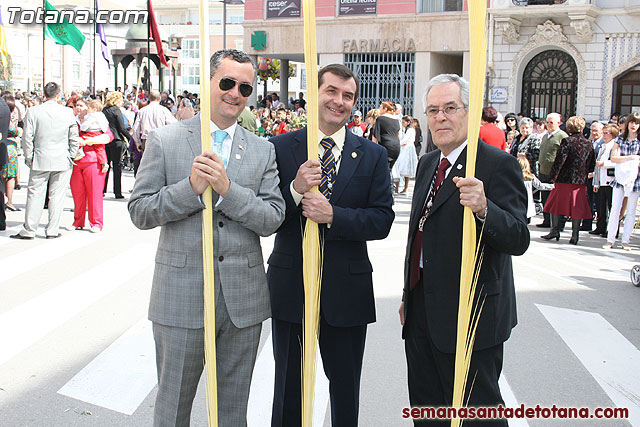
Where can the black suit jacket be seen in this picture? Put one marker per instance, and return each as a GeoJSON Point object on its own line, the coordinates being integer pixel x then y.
{"type": "Point", "coordinates": [362, 211]}
{"type": "Point", "coordinates": [505, 234]}
{"type": "Point", "coordinates": [116, 123]}
{"type": "Point", "coordinates": [5, 118]}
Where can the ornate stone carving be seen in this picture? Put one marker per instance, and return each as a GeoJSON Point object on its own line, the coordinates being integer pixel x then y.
{"type": "Point", "coordinates": [510, 29]}
{"type": "Point", "coordinates": [582, 25]}
{"type": "Point", "coordinates": [540, 44]}
{"type": "Point", "coordinates": [548, 33]}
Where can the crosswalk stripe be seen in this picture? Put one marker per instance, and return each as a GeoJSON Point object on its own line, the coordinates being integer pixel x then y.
{"type": "Point", "coordinates": [120, 377]}
{"type": "Point", "coordinates": [585, 264]}
{"type": "Point", "coordinates": [124, 374]}
{"type": "Point", "coordinates": [42, 314]}
{"type": "Point", "coordinates": [34, 257]}
{"type": "Point", "coordinates": [261, 393]}
{"type": "Point", "coordinates": [608, 356]}
{"type": "Point", "coordinates": [550, 272]}
{"type": "Point", "coordinates": [510, 401]}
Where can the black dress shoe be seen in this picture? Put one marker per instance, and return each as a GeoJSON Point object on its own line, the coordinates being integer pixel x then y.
{"type": "Point", "coordinates": [583, 228]}
{"type": "Point", "coordinates": [21, 237]}
{"type": "Point", "coordinates": [119, 196]}
{"type": "Point", "coordinates": [543, 225]}
{"type": "Point", "coordinates": [54, 237]}
{"type": "Point", "coordinates": [595, 232]}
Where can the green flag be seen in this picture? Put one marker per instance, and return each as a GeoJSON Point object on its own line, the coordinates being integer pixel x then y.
{"type": "Point", "coordinates": [64, 33]}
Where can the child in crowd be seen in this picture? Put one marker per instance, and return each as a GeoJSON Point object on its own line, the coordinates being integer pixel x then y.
{"type": "Point", "coordinates": [531, 182]}
{"type": "Point", "coordinates": [510, 137]}
{"type": "Point", "coordinates": [95, 123]}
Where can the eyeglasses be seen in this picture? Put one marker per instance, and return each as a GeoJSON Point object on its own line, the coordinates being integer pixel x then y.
{"type": "Point", "coordinates": [227, 83]}
{"type": "Point", "coordinates": [449, 110]}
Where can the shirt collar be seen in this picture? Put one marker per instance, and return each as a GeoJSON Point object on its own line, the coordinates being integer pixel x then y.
{"type": "Point", "coordinates": [453, 156]}
{"type": "Point", "coordinates": [338, 137]}
{"type": "Point", "coordinates": [553, 133]}
{"type": "Point", "coordinates": [231, 130]}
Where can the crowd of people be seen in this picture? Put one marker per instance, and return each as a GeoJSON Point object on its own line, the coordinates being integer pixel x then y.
{"type": "Point", "coordinates": [581, 171]}
{"type": "Point", "coordinates": [261, 187]}
{"type": "Point", "coordinates": [554, 156]}
{"type": "Point", "coordinates": [109, 132]}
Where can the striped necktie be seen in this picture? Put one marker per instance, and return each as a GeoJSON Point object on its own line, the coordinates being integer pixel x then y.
{"type": "Point", "coordinates": [328, 167]}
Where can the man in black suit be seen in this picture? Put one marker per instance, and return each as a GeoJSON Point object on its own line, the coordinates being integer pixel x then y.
{"type": "Point", "coordinates": [5, 117]}
{"type": "Point", "coordinates": [354, 206]}
{"type": "Point", "coordinates": [498, 198]}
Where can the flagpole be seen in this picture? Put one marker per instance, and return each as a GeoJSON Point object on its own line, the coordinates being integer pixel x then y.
{"type": "Point", "coordinates": [148, 88]}
{"type": "Point", "coordinates": [43, 55]}
{"type": "Point", "coordinates": [93, 48]}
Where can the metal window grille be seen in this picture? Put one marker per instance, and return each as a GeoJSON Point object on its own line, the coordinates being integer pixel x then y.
{"type": "Point", "coordinates": [549, 85]}
{"type": "Point", "coordinates": [384, 77]}
{"type": "Point", "coordinates": [432, 6]}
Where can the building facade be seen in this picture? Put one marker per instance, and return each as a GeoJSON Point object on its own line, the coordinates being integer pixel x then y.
{"type": "Point", "coordinates": [577, 57]}
{"type": "Point", "coordinates": [73, 70]}
{"type": "Point", "coordinates": [568, 56]}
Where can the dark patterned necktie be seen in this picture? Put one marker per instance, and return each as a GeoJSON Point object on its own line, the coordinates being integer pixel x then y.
{"type": "Point", "coordinates": [328, 167]}
{"type": "Point", "coordinates": [416, 247]}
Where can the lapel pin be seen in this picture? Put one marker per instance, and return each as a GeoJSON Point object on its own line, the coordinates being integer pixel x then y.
{"type": "Point", "coordinates": [459, 166]}
{"type": "Point", "coordinates": [238, 157]}
{"type": "Point", "coordinates": [354, 154]}
{"type": "Point", "coordinates": [241, 147]}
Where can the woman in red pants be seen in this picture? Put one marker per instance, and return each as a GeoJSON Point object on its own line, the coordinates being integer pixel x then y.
{"type": "Point", "coordinates": [87, 178]}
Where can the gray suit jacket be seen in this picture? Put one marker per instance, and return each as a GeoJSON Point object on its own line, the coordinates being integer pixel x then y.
{"type": "Point", "coordinates": [253, 207]}
{"type": "Point", "coordinates": [50, 137]}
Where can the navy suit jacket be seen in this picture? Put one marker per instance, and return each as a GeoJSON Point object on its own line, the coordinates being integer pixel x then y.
{"type": "Point", "coordinates": [505, 234]}
{"type": "Point", "coordinates": [362, 211]}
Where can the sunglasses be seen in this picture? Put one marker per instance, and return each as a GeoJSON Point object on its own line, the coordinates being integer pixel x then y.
{"type": "Point", "coordinates": [227, 83]}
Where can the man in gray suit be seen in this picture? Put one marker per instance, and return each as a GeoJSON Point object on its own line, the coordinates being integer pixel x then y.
{"type": "Point", "coordinates": [247, 204]}
{"type": "Point", "coordinates": [50, 143]}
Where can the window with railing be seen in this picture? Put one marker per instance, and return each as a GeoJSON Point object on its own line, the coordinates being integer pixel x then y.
{"type": "Point", "coordinates": [430, 6]}
{"type": "Point", "coordinates": [537, 2]}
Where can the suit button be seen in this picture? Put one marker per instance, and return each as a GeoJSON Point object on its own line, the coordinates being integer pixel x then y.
{"type": "Point", "coordinates": [220, 224]}
{"type": "Point", "coordinates": [220, 258]}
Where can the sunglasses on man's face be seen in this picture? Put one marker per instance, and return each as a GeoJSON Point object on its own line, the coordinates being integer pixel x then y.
{"type": "Point", "coordinates": [227, 83]}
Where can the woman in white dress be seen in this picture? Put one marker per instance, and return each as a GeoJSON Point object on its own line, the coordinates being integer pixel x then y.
{"type": "Point", "coordinates": [407, 160]}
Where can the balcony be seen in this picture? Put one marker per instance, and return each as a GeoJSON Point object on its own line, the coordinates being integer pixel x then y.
{"type": "Point", "coordinates": [541, 7]}
{"type": "Point", "coordinates": [536, 2]}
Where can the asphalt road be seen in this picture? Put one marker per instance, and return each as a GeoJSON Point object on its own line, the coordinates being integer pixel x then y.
{"type": "Point", "coordinates": [76, 348]}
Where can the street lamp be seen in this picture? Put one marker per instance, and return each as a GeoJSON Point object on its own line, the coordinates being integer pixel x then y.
{"type": "Point", "coordinates": [224, 19]}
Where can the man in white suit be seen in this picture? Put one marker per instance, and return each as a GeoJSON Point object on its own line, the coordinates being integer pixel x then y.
{"type": "Point", "coordinates": [50, 143]}
{"type": "Point", "coordinates": [247, 204]}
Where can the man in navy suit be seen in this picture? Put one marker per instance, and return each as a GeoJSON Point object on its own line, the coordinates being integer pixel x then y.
{"type": "Point", "coordinates": [354, 206]}
{"type": "Point", "coordinates": [497, 196]}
